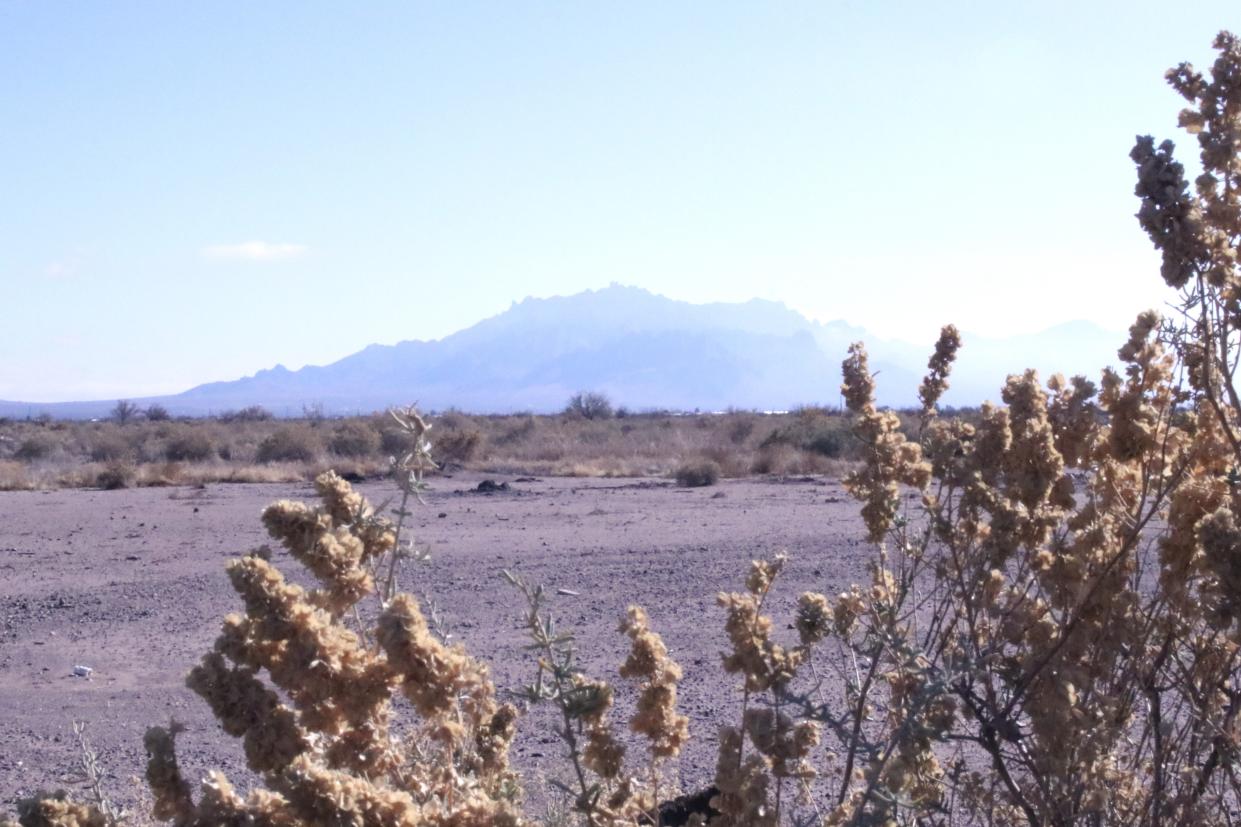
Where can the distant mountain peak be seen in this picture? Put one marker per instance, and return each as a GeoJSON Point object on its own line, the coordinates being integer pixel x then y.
{"type": "Point", "coordinates": [643, 349]}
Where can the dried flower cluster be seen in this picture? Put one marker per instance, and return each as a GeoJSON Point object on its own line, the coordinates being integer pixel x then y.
{"type": "Point", "coordinates": [311, 698]}
{"type": "Point", "coordinates": [58, 810]}
{"type": "Point", "coordinates": [658, 674]}
{"type": "Point", "coordinates": [1051, 633]}
{"type": "Point", "coordinates": [607, 793]}
{"type": "Point", "coordinates": [780, 745]}
{"type": "Point", "coordinates": [936, 380]}
{"type": "Point", "coordinates": [891, 460]}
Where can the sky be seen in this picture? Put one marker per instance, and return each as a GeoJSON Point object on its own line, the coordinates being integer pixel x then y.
{"type": "Point", "coordinates": [192, 192]}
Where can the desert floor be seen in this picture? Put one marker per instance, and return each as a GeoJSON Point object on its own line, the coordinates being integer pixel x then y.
{"type": "Point", "coordinates": [131, 583]}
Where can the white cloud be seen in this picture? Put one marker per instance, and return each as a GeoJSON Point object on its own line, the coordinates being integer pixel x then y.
{"type": "Point", "coordinates": [255, 251]}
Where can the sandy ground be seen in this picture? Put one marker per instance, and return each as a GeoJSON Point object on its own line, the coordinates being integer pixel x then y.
{"type": "Point", "coordinates": [131, 583]}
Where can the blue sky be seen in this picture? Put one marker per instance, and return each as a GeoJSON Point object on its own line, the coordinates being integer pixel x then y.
{"type": "Point", "coordinates": [196, 191]}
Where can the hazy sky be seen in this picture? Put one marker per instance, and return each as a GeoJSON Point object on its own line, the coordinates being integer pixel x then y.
{"type": "Point", "coordinates": [195, 191]}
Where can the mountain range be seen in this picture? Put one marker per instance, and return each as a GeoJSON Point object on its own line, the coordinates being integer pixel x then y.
{"type": "Point", "coordinates": [641, 349]}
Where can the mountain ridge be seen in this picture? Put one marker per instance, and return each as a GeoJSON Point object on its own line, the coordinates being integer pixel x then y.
{"type": "Point", "coordinates": [642, 349]}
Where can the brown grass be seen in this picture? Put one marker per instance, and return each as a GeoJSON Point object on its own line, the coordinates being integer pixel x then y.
{"type": "Point", "coordinates": [69, 454]}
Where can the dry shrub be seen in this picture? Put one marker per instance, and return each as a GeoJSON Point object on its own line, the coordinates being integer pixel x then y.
{"type": "Point", "coordinates": [15, 476]}
{"type": "Point", "coordinates": [1051, 632]}
{"type": "Point", "coordinates": [115, 476]}
{"type": "Point", "coordinates": [731, 462]}
{"type": "Point", "coordinates": [815, 431]}
{"type": "Point", "coordinates": [188, 444]}
{"type": "Point", "coordinates": [38, 446]}
{"type": "Point", "coordinates": [459, 445]}
{"type": "Point", "coordinates": [109, 446]}
{"type": "Point", "coordinates": [254, 413]}
{"type": "Point", "coordinates": [354, 439]}
{"type": "Point", "coordinates": [780, 459]}
{"type": "Point", "coordinates": [598, 435]}
{"type": "Point", "coordinates": [606, 792]}
{"type": "Point", "coordinates": [58, 809]}
{"type": "Point", "coordinates": [521, 428]}
{"type": "Point", "coordinates": [77, 476]}
{"type": "Point", "coordinates": [739, 428]}
{"type": "Point", "coordinates": [603, 467]}
{"type": "Point", "coordinates": [352, 470]}
{"type": "Point", "coordinates": [642, 444]}
{"type": "Point", "coordinates": [276, 472]}
{"type": "Point", "coordinates": [451, 419]}
{"type": "Point", "coordinates": [774, 459]}
{"type": "Point", "coordinates": [310, 690]}
{"type": "Point", "coordinates": [697, 473]}
{"type": "Point", "coordinates": [589, 405]}
{"type": "Point", "coordinates": [125, 412]}
{"type": "Point", "coordinates": [289, 443]}
{"type": "Point", "coordinates": [395, 442]}
{"type": "Point", "coordinates": [162, 474]}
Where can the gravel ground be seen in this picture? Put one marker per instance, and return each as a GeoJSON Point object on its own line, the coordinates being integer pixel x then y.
{"type": "Point", "coordinates": [131, 584]}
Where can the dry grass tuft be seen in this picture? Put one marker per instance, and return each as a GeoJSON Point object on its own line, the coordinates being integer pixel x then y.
{"type": "Point", "coordinates": [15, 476]}
{"type": "Point", "coordinates": [698, 474]}
{"type": "Point", "coordinates": [116, 475]}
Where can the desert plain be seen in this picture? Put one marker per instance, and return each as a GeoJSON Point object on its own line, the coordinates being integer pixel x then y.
{"type": "Point", "coordinates": [131, 584]}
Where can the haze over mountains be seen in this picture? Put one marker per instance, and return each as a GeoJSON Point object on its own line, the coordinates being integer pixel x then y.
{"type": "Point", "coordinates": [642, 350]}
